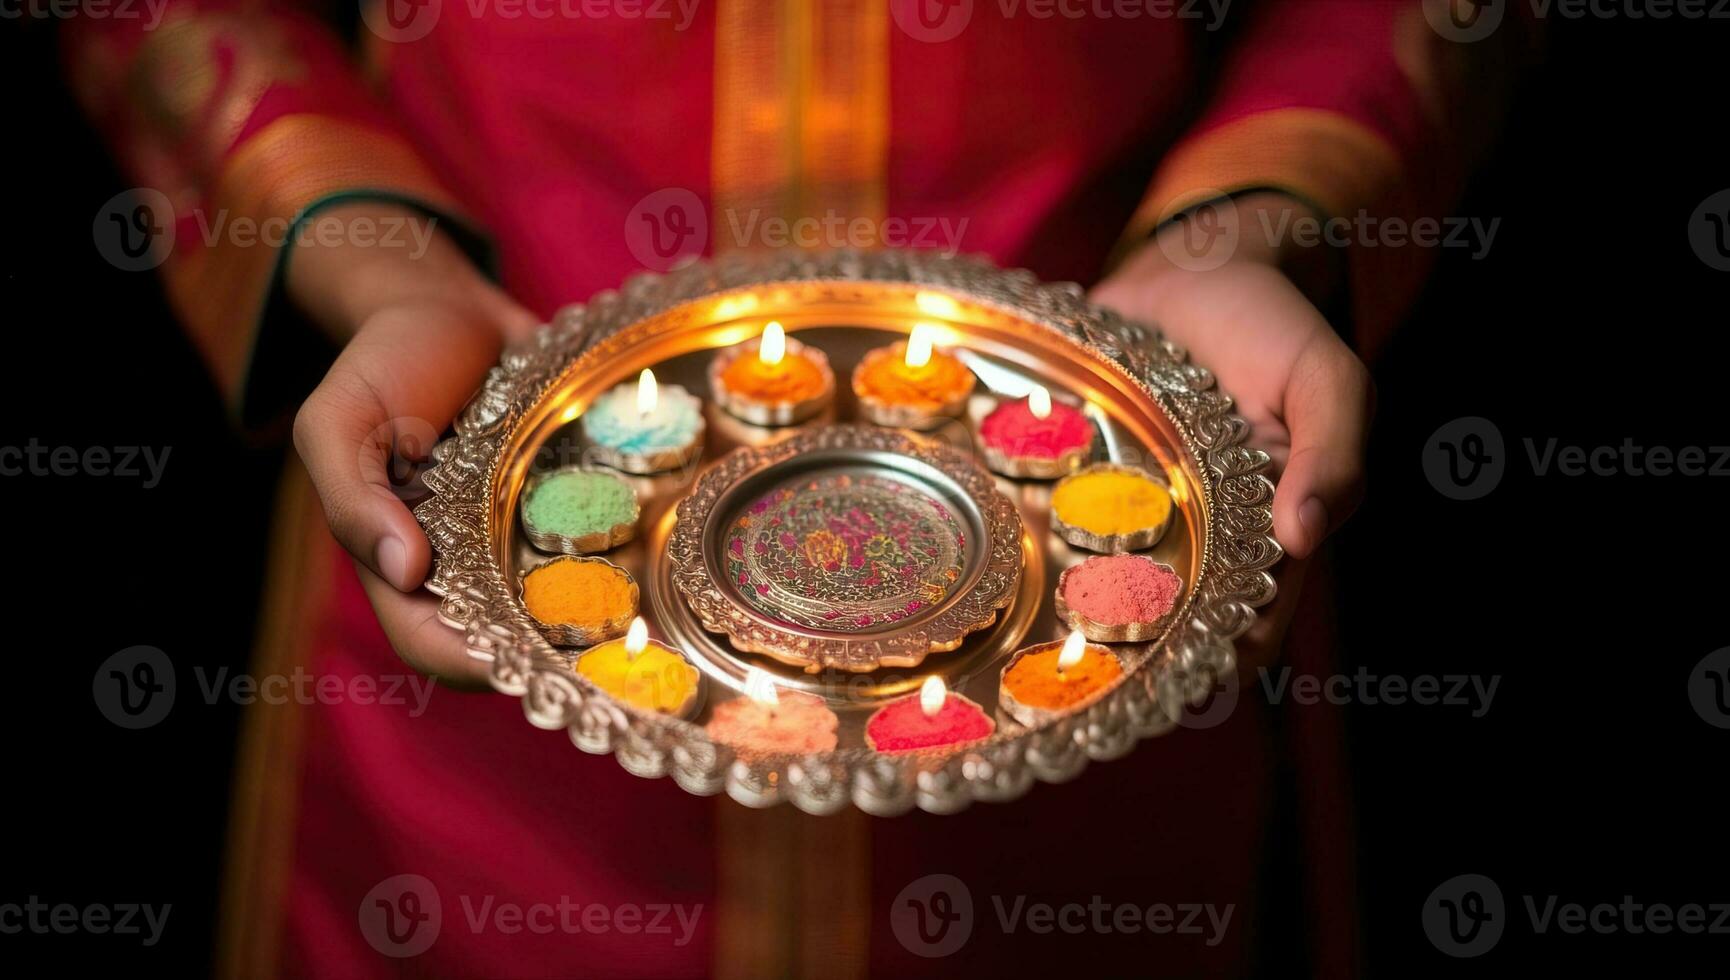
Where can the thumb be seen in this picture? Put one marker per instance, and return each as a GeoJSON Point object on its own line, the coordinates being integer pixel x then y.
{"type": "Point", "coordinates": [1327, 408]}
{"type": "Point", "coordinates": [380, 411]}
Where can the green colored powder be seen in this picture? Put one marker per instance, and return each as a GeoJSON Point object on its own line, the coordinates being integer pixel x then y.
{"type": "Point", "coordinates": [579, 502]}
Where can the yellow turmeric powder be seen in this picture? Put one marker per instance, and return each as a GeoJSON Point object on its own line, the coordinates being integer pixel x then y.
{"type": "Point", "coordinates": [1111, 502]}
{"type": "Point", "coordinates": [586, 593]}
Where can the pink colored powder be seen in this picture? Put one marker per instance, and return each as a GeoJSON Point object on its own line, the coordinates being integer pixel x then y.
{"type": "Point", "coordinates": [1013, 429]}
{"type": "Point", "coordinates": [1117, 590]}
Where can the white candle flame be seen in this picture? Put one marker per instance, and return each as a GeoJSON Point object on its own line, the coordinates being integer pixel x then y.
{"type": "Point", "coordinates": [648, 393]}
{"type": "Point", "coordinates": [932, 694]}
{"type": "Point", "coordinates": [1039, 402]}
{"type": "Point", "coordinates": [637, 638]}
{"type": "Point", "coordinates": [760, 687]}
{"type": "Point", "coordinates": [773, 346]}
{"type": "Point", "coordinates": [919, 345]}
{"type": "Point", "coordinates": [1072, 650]}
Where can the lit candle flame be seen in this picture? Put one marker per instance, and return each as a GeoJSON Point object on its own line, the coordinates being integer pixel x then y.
{"type": "Point", "coordinates": [773, 346]}
{"type": "Point", "coordinates": [637, 638]}
{"type": "Point", "coordinates": [760, 687]}
{"type": "Point", "coordinates": [648, 393]}
{"type": "Point", "coordinates": [932, 694]}
{"type": "Point", "coordinates": [1039, 402]}
{"type": "Point", "coordinates": [919, 345]}
{"type": "Point", "coordinates": [1072, 650]}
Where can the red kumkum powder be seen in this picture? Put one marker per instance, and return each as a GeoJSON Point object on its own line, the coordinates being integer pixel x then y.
{"type": "Point", "coordinates": [1117, 590]}
{"type": "Point", "coordinates": [1015, 430]}
{"type": "Point", "coordinates": [902, 726]}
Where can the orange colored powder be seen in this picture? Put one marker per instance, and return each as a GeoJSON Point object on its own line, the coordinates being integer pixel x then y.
{"type": "Point", "coordinates": [586, 594]}
{"type": "Point", "coordinates": [888, 379]}
{"type": "Point", "coordinates": [795, 379]}
{"type": "Point", "coordinates": [1034, 681]}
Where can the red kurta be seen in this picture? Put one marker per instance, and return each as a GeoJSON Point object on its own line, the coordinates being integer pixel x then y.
{"type": "Point", "coordinates": [1028, 135]}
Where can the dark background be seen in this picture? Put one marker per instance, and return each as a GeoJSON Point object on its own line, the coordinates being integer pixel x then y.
{"type": "Point", "coordinates": [1591, 320]}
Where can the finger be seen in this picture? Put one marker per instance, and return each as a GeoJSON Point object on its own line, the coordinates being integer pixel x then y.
{"type": "Point", "coordinates": [420, 638]}
{"type": "Point", "coordinates": [1327, 409]}
{"type": "Point", "coordinates": [394, 388]}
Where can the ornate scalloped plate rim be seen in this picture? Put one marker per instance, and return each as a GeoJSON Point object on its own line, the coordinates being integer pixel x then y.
{"type": "Point", "coordinates": [1148, 701]}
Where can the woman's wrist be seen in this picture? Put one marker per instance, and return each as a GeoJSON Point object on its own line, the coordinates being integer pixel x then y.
{"type": "Point", "coordinates": [1264, 228]}
{"type": "Point", "coordinates": [357, 259]}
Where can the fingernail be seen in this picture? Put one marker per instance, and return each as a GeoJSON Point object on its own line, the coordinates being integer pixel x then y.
{"type": "Point", "coordinates": [392, 557]}
{"type": "Point", "coordinates": [1313, 515]}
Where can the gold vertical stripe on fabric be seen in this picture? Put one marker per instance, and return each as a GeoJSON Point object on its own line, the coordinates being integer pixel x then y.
{"type": "Point", "coordinates": [845, 140]}
{"type": "Point", "coordinates": [753, 163]}
{"type": "Point", "coordinates": [801, 130]}
{"type": "Point", "coordinates": [258, 869]}
{"type": "Point", "coordinates": [793, 893]}
{"type": "Point", "coordinates": [801, 122]}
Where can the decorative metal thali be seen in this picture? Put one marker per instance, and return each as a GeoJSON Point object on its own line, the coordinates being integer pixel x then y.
{"type": "Point", "coordinates": [1152, 408]}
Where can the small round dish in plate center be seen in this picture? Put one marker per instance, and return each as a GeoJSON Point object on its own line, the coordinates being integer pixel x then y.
{"type": "Point", "coordinates": [847, 546]}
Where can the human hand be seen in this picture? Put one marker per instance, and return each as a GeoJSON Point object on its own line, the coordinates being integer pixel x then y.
{"type": "Point", "coordinates": [1307, 396]}
{"type": "Point", "coordinates": [421, 332]}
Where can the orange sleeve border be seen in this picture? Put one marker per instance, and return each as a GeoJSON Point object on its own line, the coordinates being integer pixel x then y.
{"type": "Point", "coordinates": [1321, 157]}
{"type": "Point", "coordinates": [221, 286]}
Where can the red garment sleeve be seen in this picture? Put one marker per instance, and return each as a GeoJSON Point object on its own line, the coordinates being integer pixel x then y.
{"type": "Point", "coordinates": [1360, 108]}
{"type": "Point", "coordinates": [246, 119]}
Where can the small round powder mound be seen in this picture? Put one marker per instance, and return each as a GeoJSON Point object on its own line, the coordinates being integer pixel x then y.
{"type": "Point", "coordinates": [1119, 590]}
{"type": "Point", "coordinates": [1034, 680]}
{"type": "Point", "coordinates": [903, 726]}
{"type": "Point", "coordinates": [1111, 501]}
{"type": "Point", "coordinates": [1014, 429]}
{"type": "Point", "coordinates": [586, 593]}
{"type": "Point", "coordinates": [576, 503]}
{"type": "Point", "coordinates": [799, 724]}
{"type": "Point", "coordinates": [795, 379]}
{"type": "Point", "coordinates": [884, 378]}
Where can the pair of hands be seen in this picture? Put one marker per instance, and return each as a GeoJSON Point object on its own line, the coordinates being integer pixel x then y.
{"type": "Point", "coordinates": [421, 333]}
